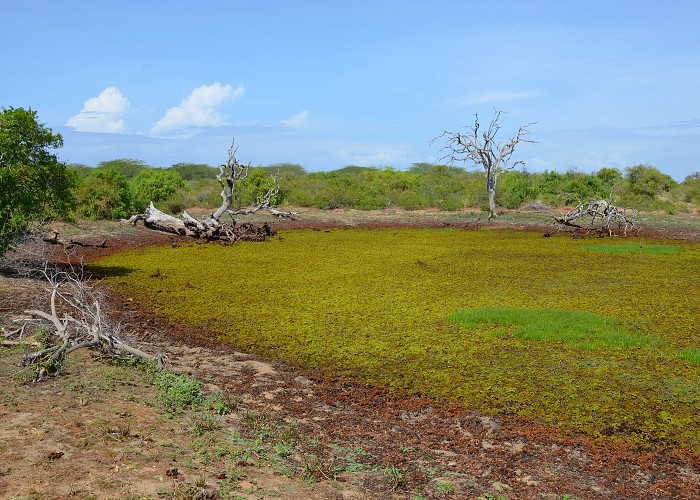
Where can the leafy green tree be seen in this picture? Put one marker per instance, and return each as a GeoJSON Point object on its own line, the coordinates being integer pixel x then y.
{"type": "Point", "coordinates": [690, 188]}
{"type": "Point", "coordinates": [648, 181]}
{"type": "Point", "coordinates": [80, 169]}
{"type": "Point", "coordinates": [154, 184]}
{"type": "Point", "coordinates": [104, 194]}
{"type": "Point", "coordinates": [33, 183]}
{"type": "Point", "coordinates": [286, 170]}
{"type": "Point", "coordinates": [195, 171]}
{"type": "Point", "coordinates": [516, 188]}
{"type": "Point", "coordinates": [128, 167]}
{"type": "Point", "coordinates": [611, 179]}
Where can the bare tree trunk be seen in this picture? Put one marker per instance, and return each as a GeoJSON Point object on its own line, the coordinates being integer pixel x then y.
{"type": "Point", "coordinates": [491, 190]}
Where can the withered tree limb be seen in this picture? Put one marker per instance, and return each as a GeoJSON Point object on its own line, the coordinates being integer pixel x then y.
{"type": "Point", "coordinates": [211, 227]}
{"type": "Point", "coordinates": [482, 149]}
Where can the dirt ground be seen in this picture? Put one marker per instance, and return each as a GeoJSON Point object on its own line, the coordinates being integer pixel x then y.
{"type": "Point", "coordinates": [95, 431]}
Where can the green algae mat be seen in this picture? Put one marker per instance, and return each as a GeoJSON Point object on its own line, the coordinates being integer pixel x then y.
{"type": "Point", "coordinates": [591, 338]}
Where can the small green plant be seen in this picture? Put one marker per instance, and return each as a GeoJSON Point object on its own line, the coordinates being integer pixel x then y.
{"type": "Point", "coordinates": [43, 337]}
{"type": "Point", "coordinates": [220, 404]}
{"type": "Point", "coordinates": [176, 393]}
{"type": "Point", "coordinates": [431, 472]}
{"type": "Point", "coordinates": [445, 487]}
{"type": "Point", "coordinates": [203, 423]}
{"type": "Point", "coordinates": [396, 476]}
{"type": "Point", "coordinates": [284, 449]}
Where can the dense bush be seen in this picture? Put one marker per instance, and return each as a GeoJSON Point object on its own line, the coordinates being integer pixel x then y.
{"type": "Point", "coordinates": [128, 167]}
{"type": "Point", "coordinates": [194, 171]}
{"type": "Point", "coordinates": [154, 185]}
{"type": "Point", "coordinates": [104, 194]}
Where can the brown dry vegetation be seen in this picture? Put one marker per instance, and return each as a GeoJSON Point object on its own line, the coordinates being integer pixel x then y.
{"type": "Point", "coordinates": [95, 432]}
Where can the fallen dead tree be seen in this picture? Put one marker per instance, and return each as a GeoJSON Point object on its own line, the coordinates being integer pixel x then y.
{"type": "Point", "coordinates": [598, 216]}
{"type": "Point", "coordinates": [73, 316]}
{"type": "Point", "coordinates": [212, 227]}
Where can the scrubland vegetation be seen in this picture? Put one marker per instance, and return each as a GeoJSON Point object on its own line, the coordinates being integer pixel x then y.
{"type": "Point", "coordinates": [116, 188]}
{"type": "Point", "coordinates": [597, 339]}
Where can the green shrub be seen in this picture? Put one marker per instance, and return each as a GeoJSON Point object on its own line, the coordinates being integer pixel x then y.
{"type": "Point", "coordinates": [177, 393]}
{"type": "Point", "coordinates": [154, 185]}
{"type": "Point", "coordinates": [128, 167]}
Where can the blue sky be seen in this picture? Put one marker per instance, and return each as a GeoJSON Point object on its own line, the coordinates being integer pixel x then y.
{"type": "Point", "coordinates": [327, 84]}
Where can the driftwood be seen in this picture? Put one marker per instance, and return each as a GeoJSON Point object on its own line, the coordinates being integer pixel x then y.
{"type": "Point", "coordinates": [211, 227]}
{"type": "Point", "coordinates": [74, 318]}
{"type": "Point", "coordinates": [599, 216]}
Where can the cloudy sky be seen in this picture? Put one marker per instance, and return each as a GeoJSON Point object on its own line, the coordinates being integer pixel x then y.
{"type": "Point", "coordinates": [367, 82]}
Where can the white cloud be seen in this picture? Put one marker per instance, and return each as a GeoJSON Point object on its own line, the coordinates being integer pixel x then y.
{"type": "Point", "coordinates": [102, 113]}
{"type": "Point", "coordinates": [296, 120]}
{"type": "Point", "coordinates": [497, 96]}
{"type": "Point", "coordinates": [199, 109]}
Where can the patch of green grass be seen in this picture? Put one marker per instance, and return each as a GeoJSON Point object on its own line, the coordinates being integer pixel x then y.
{"type": "Point", "coordinates": [691, 355]}
{"type": "Point", "coordinates": [631, 247]}
{"type": "Point", "coordinates": [579, 330]}
{"type": "Point", "coordinates": [372, 305]}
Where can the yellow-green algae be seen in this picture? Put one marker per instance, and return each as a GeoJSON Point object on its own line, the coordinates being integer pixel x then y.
{"type": "Point", "coordinates": [375, 305]}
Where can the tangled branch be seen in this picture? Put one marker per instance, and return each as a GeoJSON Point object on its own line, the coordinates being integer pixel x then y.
{"type": "Point", "coordinates": [74, 318]}
{"type": "Point", "coordinates": [604, 217]}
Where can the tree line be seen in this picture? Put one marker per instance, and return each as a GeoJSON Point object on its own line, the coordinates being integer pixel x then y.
{"type": "Point", "coordinates": [117, 188]}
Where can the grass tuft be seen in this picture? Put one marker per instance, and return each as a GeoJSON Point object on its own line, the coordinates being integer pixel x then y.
{"type": "Point", "coordinates": [578, 330]}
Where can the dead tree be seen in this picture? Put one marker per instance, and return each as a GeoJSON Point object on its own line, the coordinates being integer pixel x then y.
{"type": "Point", "coordinates": [211, 227]}
{"type": "Point", "coordinates": [482, 149]}
{"type": "Point", "coordinates": [73, 318]}
{"type": "Point", "coordinates": [599, 216]}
